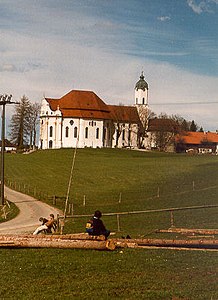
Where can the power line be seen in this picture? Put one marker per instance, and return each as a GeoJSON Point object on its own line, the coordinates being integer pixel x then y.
{"type": "Point", "coordinates": [185, 103]}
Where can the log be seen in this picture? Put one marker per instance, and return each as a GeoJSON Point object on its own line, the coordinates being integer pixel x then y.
{"type": "Point", "coordinates": [190, 231]}
{"type": "Point", "coordinates": [134, 243]}
{"type": "Point", "coordinates": [32, 241]}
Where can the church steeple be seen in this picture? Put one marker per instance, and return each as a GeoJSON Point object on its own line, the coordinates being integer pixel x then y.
{"type": "Point", "coordinates": [141, 91]}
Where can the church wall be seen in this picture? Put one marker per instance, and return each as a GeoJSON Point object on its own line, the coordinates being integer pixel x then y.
{"type": "Point", "coordinates": [89, 132]}
{"type": "Point", "coordinates": [128, 135]}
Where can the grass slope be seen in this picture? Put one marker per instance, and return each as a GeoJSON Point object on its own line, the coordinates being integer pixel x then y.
{"type": "Point", "coordinates": [101, 175]}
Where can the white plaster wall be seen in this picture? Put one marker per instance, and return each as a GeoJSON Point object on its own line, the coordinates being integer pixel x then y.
{"type": "Point", "coordinates": [140, 94]}
{"type": "Point", "coordinates": [50, 118]}
{"type": "Point", "coordinates": [81, 124]}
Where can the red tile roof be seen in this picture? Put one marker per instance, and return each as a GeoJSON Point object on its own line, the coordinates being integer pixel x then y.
{"type": "Point", "coordinates": [196, 138]}
{"type": "Point", "coordinates": [162, 124]}
{"type": "Point", "coordinates": [86, 104]}
{"type": "Point", "coordinates": [125, 114]}
{"type": "Point", "coordinates": [81, 104]}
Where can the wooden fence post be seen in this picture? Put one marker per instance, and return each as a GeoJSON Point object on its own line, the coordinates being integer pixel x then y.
{"type": "Point", "coordinates": [120, 197]}
{"type": "Point", "coordinates": [84, 200]}
{"type": "Point", "coordinates": [118, 222]}
{"type": "Point", "coordinates": [171, 219]}
{"type": "Point", "coordinates": [158, 192]}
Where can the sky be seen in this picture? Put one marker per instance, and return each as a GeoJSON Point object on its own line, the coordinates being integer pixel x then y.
{"type": "Point", "coordinates": [50, 47]}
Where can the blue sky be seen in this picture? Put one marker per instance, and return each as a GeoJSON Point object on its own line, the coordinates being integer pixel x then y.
{"type": "Point", "coordinates": [49, 47]}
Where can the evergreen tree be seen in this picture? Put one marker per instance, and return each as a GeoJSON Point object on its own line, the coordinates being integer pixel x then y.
{"type": "Point", "coordinates": [19, 126]}
{"type": "Point", "coordinates": [193, 126]}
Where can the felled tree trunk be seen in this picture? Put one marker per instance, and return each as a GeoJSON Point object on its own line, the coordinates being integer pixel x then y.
{"type": "Point", "coordinates": [190, 231]}
{"type": "Point", "coordinates": [31, 241]}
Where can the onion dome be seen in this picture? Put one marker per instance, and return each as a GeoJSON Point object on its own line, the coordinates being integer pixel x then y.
{"type": "Point", "coordinates": [141, 84]}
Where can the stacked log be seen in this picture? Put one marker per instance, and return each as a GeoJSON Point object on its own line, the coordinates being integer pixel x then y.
{"type": "Point", "coordinates": [190, 231]}
{"type": "Point", "coordinates": [166, 243]}
{"type": "Point", "coordinates": [53, 241]}
{"type": "Point", "coordinates": [81, 241]}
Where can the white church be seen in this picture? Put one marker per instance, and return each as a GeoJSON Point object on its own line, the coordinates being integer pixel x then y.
{"type": "Point", "coordinates": [81, 119]}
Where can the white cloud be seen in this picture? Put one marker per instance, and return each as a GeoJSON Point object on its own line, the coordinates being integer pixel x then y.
{"type": "Point", "coordinates": [164, 18]}
{"type": "Point", "coordinates": [202, 6]}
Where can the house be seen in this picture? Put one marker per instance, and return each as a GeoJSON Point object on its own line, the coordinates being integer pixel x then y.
{"type": "Point", "coordinates": [197, 142]}
{"type": "Point", "coordinates": [82, 119]}
{"type": "Point", "coordinates": [161, 134]}
{"type": "Point", "coordinates": [8, 146]}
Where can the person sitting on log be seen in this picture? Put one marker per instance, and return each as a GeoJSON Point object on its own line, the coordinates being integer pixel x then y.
{"type": "Point", "coordinates": [96, 227]}
{"type": "Point", "coordinates": [47, 225]}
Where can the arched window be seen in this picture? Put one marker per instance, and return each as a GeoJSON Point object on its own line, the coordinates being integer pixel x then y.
{"type": "Point", "coordinates": [97, 133]}
{"type": "Point", "coordinates": [75, 132]}
{"type": "Point", "coordinates": [50, 144]}
{"type": "Point", "coordinates": [50, 131]}
{"type": "Point", "coordinates": [143, 100]}
{"type": "Point", "coordinates": [86, 132]}
{"type": "Point", "coordinates": [67, 132]}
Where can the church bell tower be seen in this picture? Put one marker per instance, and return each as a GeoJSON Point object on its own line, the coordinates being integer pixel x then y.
{"type": "Point", "coordinates": [141, 92]}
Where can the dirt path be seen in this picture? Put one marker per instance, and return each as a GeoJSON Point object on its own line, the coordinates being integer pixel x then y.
{"type": "Point", "coordinates": [30, 211]}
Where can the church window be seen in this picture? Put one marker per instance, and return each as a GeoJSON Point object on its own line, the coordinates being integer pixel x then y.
{"type": "Point", "coordinates": [67, 132]}
{"type": "Point", "coordinates": [104, 133]}
{"type": "Point", "coordinates": [86, 132]}
{"type": "Point", "coordinates": [143, 100]}
{"type": "Point", "coordinates": [136, 100]}
{"type": "Point", "coordinates": [42, 122]}
{"type": "Point", "coordinates": [123, 135]}
{"type": "Point", "coordinates": [50, 144]}
{"type": "Point", "coordinates": [50, 131]}
{"type": "Point", "coordinates": [75, 132]}
{"type": "Point", "coordinates": [97, 133]}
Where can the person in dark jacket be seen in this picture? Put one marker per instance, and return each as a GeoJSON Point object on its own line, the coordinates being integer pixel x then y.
{"type": "Point", "coordinates": [95, 226]}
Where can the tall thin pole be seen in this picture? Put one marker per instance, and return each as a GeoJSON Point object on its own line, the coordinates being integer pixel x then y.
{"type": "Point", "coordinates": [4, 99]}
{"type": "Point", "coordinates": [2, 156]}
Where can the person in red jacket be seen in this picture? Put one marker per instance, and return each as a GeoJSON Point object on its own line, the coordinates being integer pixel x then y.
{"type": "Point", "coordinates": [95, 226]}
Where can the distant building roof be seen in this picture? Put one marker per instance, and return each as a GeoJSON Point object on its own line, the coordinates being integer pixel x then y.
{"type": "Point", "coordinates": [162, 124]}
{"type": "Point", "coordinates": [195, 138]}
{"type": "Point", "coordinates": [128, 114]}
{"type": "Point", "coordinates": [8, 144]}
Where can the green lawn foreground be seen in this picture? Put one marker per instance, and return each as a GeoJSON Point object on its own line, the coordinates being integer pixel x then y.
{"type": "Point", "coordinates": [102, 175]}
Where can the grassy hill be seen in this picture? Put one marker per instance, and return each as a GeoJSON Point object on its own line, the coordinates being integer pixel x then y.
{"type": "Point", "coordinates": [104, 176]}
{"type": "Point", "coordinates": [115, 180]}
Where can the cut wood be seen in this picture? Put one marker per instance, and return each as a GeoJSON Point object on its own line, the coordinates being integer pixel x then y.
{"type": "Point", "coordinates": [31, 241]}
{"type": "Point", "coordinates": [189, 231]}
{"type": "Point", "coordinates": [134, 243]}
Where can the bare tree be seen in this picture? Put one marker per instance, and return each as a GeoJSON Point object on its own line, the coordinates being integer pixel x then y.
{"type": "Point", "coordinates": [33, 123]}
{"type": "Point", "coordinates": [145, 114]}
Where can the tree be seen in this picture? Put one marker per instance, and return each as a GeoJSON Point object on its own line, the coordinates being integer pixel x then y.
{"type": "Point", "coordinates": [33, 122]}
{"type": "Point", "coordinates": [145, 114]}
{"type": "Point", "coordinates": [19, 126]}
{"type": "Point", "coordinates": [193, 126]}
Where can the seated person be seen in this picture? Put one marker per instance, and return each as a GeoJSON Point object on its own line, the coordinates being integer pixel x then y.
{"type": "Point", "coordinates": [47, 225]}
{"type": "Point", "coordinates": [95, 226]}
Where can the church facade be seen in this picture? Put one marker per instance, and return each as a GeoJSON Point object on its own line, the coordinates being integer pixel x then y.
{"type": "Point", "coordinates": [81, 119]}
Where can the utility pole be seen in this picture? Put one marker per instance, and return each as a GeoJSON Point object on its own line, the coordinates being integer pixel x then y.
{"type": "Point", "coordinates": [4, 99]}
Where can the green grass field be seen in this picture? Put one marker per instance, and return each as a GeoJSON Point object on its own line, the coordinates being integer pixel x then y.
{"type": "Point", "coordinates": [103, 177]}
